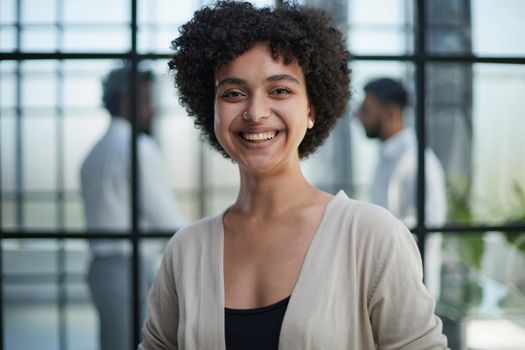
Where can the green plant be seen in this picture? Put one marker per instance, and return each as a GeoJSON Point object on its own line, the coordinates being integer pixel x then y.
{"type": "Point", "coordinates": [518, 217]}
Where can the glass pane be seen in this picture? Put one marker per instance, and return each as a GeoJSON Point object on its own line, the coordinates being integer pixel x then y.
{"type": "Point", "coordinates": [74, 214]}
{"type": "Point", "coordinates": [31, 317]}
{"type": "Point", "coordinates": [482, 291]}
{"type": "Point", "coordinates": [380, 27]}
{"type": "Point", "coordinates": [159, 21]}
{"type": "Point", "coordinates": [75, 86]}
{"type": "Point", "coordinates": [501, 40]}
{"type": "Point", "coordinates": [47, 300]}
{"type": "Point", "coordinates": [40, 215]}
{"type": "Point", "coordinates": [156, 38]}
{"type": "Point", "coordinates": [7, 85]}
{"type": "Point", "coordinates": [96, 11]}
{"type": "Point", "coordinates": [98, 38]}
{"type": "Point", "coordinates": [166, 11]}
{"type": "Point", "coordinates": [8, 155]}
{"type": "Point", "coordinates": [39, 153]}
{"type": "Point", "coordinates": [7, 38]}
{"type": "Point", "coordinates": [39, 84]}
{"type": "Point", "coordinates": [7, 11]}
{"type": "Point", "coordinates": [484, 167]}
{"type": "Point", "coordinates": [8, 214]}
{"type": "Point", "coordinates": [39, 39]}
{"type": "Point", "coordinates": [37, 11]}
{"type": "Point", "coordinates": [463, 27]}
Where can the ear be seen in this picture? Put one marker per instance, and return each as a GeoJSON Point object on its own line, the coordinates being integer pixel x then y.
{"type": "Point", "coordinates": [393, 111]}
{"type": "Point", "coordinates": [310, 123]}
{"type": "Point", "coordinates": [311, 116]}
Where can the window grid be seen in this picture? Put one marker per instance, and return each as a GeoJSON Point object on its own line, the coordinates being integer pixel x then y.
{"type": "Point", "coordinates": [421, 58]}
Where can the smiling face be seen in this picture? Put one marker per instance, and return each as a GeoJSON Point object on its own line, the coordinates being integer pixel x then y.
{"type": "Point", "coordinates": [261, 110]}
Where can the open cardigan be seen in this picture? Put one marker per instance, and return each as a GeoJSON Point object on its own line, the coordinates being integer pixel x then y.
{"type": "Point", "coordinates": [360, 287]}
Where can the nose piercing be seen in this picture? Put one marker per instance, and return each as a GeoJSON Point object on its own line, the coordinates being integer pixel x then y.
{"type": "Point", "coordinates": [245, 116]}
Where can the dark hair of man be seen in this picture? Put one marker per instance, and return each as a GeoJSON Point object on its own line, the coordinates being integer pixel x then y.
{"type": "Point", "coordinates": [116, 85]}
{"type": "Point", "coordinates": [218, 34]}
{"type": "Point", "coordinates": [388, 91]}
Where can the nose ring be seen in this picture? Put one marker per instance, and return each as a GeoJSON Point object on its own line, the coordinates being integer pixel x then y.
{"type": "Point", "coordinates": [245, 115]}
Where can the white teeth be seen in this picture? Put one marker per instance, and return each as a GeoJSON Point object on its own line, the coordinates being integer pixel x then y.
{"type": "Point", "coordinates": [260, 136]}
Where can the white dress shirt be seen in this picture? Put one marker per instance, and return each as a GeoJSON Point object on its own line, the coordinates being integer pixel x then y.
{"type": "Point", "coordinates": [395, 181]}
{"type": "Point", "coordinates": [106, 188]}
{"type": "Point", "coordinates": [395, 188]}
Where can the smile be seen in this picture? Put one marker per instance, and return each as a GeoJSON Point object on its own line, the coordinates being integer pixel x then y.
{"type": "Point", "coordinates": [259, 136]}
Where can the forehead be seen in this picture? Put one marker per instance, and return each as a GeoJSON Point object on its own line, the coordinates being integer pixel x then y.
{"type": "Point", "coordinates": [257, 62]}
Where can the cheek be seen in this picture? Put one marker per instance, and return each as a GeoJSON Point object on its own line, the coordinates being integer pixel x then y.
{"type": "Point", "coordinates": [217, 124]}
{"type": "Point", "coordinates": [297, 114]}
{"type": "Point", "coordinates": [221, 125]}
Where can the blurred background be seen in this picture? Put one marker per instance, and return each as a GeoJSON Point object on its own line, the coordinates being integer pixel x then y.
{"type": "Point", "coordinates": [463, 62]}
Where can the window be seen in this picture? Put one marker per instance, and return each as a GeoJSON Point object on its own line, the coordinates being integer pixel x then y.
{"type": "Point", "coordinates": [465, 76]}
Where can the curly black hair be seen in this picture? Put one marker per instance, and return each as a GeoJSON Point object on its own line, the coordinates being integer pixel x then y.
{"type": "Point", "coordinates": [218, 34]}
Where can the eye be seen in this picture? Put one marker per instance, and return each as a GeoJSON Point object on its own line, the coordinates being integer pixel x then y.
{"type": "Point", "coordinates": [280, 91]}
{"type": "Point", "coordinates": [233, 95]}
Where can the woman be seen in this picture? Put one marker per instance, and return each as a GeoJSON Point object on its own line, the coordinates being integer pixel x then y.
{"type": "Point", "coordinates": [287, 266]}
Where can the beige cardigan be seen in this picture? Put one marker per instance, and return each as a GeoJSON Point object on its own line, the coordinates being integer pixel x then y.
{"type": "Point", "coordinates": [360, 287]}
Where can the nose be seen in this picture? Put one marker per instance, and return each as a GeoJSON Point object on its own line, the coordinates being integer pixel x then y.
{"type": "Point", "coordinates": [258, 108]}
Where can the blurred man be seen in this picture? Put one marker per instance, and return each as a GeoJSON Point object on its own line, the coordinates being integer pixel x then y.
{"type": "Point", "coordinates": [395, 182]}
{"type": "Point", "coordinates": [106, 189]}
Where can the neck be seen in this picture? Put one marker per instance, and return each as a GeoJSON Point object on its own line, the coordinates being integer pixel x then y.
{"type": "Point", "coordinates": [267, 195]}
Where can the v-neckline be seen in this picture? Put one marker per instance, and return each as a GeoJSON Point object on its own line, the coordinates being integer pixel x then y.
{"type": "Point", "coordinates": [304, 267]}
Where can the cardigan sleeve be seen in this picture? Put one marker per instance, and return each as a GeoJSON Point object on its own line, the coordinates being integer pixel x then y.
{"type": "Point", "coordinates": [400, 308]}
{"type": "Point", "coordinates": [160, 329]}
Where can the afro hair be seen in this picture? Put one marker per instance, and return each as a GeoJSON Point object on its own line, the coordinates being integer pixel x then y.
{"type": "Point", "coordinates": [218, 34]}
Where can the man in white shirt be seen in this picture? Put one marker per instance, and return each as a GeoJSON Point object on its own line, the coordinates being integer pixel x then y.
{"type": "Point", "coordinates": [395, 182]}
{"type": "Point", "coordinates": [106, 189]}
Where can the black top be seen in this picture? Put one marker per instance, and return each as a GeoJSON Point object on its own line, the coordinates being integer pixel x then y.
{"type": "Point", "coordinates": [254, 329]}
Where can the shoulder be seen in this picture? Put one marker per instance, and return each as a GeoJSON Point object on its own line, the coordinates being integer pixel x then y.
{"type": "Point", "coordinates": [195, 236]}
{"type": "Point", "coordinates": [369, 230]}
{"type": "Point", "coordinates": [367, 218]}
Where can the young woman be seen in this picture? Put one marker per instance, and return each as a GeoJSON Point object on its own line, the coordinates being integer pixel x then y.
{"type": "Point", "coordinates": [286, 266]}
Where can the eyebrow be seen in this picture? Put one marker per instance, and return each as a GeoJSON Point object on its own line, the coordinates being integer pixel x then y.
{"type": "Point", "coordinates": [273, 78]}
{"type": "Point", "coordinates": [280, 77]}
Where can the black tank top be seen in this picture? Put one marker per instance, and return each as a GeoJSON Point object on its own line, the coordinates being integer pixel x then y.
{"type": "Point", "coordinates": [254, 329]}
